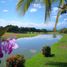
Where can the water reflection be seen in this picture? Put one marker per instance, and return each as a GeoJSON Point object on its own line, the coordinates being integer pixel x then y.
{"type": "Point", "coordinates": [32, 45]}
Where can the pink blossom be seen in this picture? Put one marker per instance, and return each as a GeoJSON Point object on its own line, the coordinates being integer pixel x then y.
{"type": "Point", "coordinates": [6, 46]}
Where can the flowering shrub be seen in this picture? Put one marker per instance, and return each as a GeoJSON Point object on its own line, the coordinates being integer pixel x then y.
{"type": "Point", "coordinates": [6, 46]}
{"type": "Point", "coordinates": [15, 61]}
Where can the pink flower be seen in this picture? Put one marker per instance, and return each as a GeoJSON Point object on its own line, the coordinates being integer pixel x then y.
{"type": "Point", "coordinates": [6, 46]}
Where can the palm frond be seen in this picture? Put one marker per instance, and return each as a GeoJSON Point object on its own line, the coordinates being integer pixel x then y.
{"type": "Point", "coordinates": [47, 4]}
{"type": "Point", "coordinates": [23, 5]}
{"type": "Point", "coordinates": [20, 2]}
{"type": "Point", "coordinates": [26, 5]}
{"type": "Point", "coordinates": [64, 9]}
{"type": "Point", "coordinates": [61, 3]}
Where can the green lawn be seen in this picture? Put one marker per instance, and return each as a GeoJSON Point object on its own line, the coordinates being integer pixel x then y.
{"type": "Point", "coordinates": [59, 60]}
{"type": "Point", "coordinates": [19, 35]}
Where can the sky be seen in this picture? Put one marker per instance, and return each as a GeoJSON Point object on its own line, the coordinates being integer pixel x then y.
{"type": "Point", "coordinates": [34, 17]}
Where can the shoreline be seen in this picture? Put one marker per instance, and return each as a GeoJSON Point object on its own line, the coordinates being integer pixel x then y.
{"type": "Point", "coordinates": [59, 60]}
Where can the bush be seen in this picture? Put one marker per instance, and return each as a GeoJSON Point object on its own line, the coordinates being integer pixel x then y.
{"type": "Point", "coordinates": [46, 51]}
{"type": "Point", "coordinates": [63, 30]}
{"type": "Point", "coordinates": [15, 61]}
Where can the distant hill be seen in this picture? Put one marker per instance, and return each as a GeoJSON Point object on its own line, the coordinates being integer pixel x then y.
{"type": "Point", "coordinates": [16, 29]}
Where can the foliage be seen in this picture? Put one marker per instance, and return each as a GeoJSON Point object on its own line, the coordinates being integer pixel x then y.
{"type": "Point", "coordinates": [15, 61]}
{"type": "Point", "coordinates": [3, 30]}
{"type": "Point", "coordinates": [23, 6]}
{"type": "Point", "coordinates": [46, 51]}
{"type": "Point", "coordinates": [16, 29]}
{"type": "Point", "coordinates": [63, 30]}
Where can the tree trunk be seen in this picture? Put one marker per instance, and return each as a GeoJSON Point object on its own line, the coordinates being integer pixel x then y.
{"type": "Point", "coordinates": [59, 12]}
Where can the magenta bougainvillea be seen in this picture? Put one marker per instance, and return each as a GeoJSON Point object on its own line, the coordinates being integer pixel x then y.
{"type": "Point", "coordinates": [6, 46]}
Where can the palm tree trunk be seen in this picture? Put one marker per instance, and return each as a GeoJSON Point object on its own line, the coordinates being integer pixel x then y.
{"type": "Point", "coordinates": [57, 18]}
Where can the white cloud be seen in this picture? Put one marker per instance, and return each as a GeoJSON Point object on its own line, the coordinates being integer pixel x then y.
{"type": "Point", "coordinates": [37, 6]}
{"type": "Point", "coordinates": [26, 24]}
{"type": "Point", "coordinates": [49, 25]}
{"type": "Point", "coordinates": [7, 22]}
{"type": "Point", "coordinates": [55, 8]}
{"type": "Point", "coordinates": [5, 10]}
{"type": "Point", "coordinates": [54, 16]}
{"type": "Point", "coordinates": [62, 25]}
{"type": "Point", "coordinates": [65, 19]}
{"type": "Point", "coordinates": [33, 10]}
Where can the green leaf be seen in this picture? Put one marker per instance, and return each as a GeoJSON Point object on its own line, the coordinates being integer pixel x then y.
{"type": "Point", "coordinates": [47, 4]}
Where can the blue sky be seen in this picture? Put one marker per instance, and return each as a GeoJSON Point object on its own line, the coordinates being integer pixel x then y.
{"type": "Point", "coordinates": [34, 17]}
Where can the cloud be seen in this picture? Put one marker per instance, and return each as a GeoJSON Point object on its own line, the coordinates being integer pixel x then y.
{"type": "Point", "coordinates": [37, 6]}
{"type": "Point", "coordinates": [62, 25]}
{"type": "Point", "coordinates": [33, 10]}
{"type": "Point", "coordinates": [5, 10]}
{"type": "Point", "coordinates": [65, 19]}
{"type": "Point", "coordinates": [54, 16]}
{"type": "Point", "coordinates": [55, 8]}
{"type": "Point", "coordinates": [4, 22]}
{"type": "Point", "coordinates": [49, 25]}
{"type": "Point", "coordinates": [26, 24]}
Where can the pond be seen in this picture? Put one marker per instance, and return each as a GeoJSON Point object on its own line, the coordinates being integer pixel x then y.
{"type": "Point", "coordinates": [32, 45]}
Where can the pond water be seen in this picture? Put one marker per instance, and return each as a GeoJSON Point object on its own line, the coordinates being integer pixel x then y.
{"type": "Point", "coordinates": [32, 45]}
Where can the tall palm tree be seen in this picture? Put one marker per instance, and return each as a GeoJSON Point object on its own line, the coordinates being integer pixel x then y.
{"type": "Point", "coordinates": [23, 6]}
{"type": "Point", "coordinates": [61, 10]}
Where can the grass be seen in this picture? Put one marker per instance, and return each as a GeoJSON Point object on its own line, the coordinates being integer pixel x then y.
{"type": "Point", "coordinates": [19, 35]}
{"type": "Point", "coordinates": [59, 60]}
{"type": "Point", "coordinates": [59, 49]}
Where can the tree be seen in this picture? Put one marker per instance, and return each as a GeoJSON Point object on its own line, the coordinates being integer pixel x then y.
{"type": "Point", "coordinates": [62, 9]}
{"type": "Point", "coordinates": [23, 6]}
{"type": "Point", "coordinates": [2, 31]}
{"type": "Point", "coordinates": [64, 30]}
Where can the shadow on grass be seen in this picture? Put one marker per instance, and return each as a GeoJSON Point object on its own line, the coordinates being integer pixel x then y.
{"type": "Point", "coordinates": [52, 55]}
{"type": "Point", "coordinates": [57, 64]}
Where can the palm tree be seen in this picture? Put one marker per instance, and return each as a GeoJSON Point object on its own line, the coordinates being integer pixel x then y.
{"type": "Point", "coordinates": [61, 10]}
{"type": "Point", "coordinates": [23, 6]}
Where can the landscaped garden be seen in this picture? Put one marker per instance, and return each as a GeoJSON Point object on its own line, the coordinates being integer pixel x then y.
{"type": "Point", "coordinates": [59, 60]}
{"type": "Point", "coordinates": [39, 39]}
